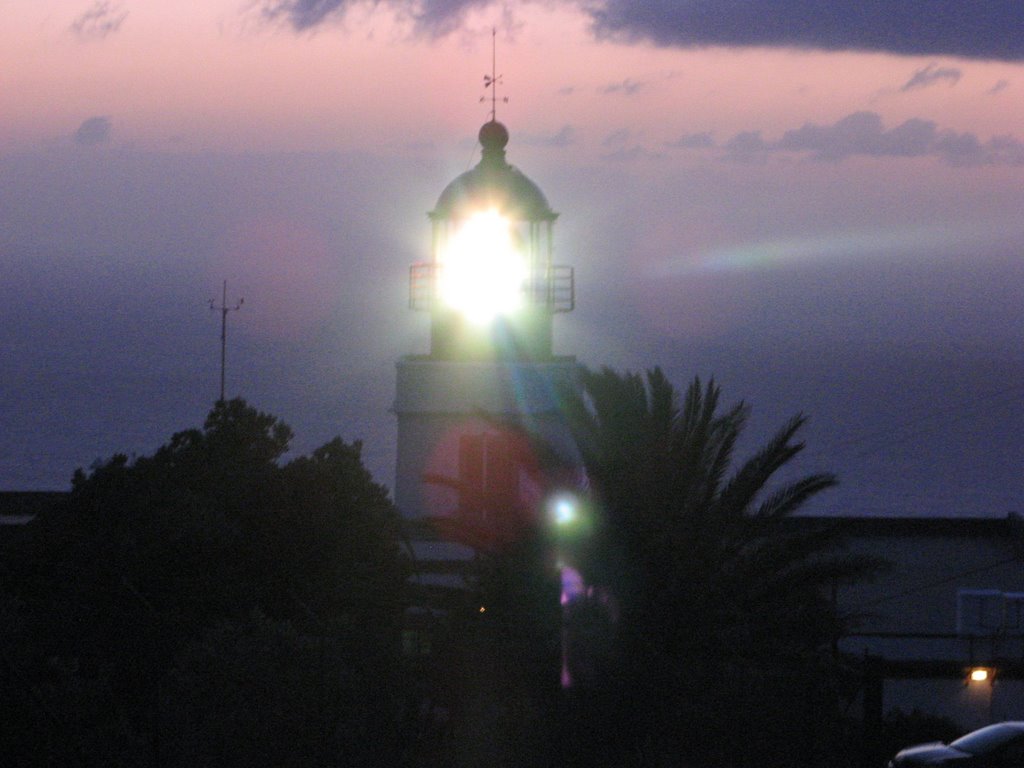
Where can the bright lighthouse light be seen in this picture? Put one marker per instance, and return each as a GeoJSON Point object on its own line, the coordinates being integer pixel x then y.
{"type": "Point", "coordinates": [482, 273]}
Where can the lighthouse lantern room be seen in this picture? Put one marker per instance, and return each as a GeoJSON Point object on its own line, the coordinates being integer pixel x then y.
{"type": "Point", "coordinates": [491, 286]}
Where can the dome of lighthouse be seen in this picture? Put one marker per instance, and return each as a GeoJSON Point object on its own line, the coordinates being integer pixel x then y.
{"type": "Point", "coordinates": [493, 183]}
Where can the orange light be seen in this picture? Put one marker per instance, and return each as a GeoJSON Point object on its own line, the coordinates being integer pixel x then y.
{"type": "Point", "coordinates": [979, 675]}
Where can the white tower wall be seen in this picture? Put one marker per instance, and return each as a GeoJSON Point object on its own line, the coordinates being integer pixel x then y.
{"type": "Point", "coordinates": [437, 402]}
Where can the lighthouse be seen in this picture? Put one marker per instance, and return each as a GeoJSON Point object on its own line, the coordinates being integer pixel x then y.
{"type": "Point", "coordinates": [491, 289]}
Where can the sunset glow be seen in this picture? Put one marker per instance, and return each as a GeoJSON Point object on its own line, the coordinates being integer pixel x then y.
{"type": "Point", "coordinates": [824, 218]}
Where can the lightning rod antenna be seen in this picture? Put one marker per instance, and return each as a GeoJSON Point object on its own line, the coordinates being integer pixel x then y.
{"type": "Point", "coordinates": [224, 309]}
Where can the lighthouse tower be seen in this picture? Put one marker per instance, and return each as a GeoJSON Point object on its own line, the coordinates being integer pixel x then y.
{"type": "Point", "coordinates": [491, 290]}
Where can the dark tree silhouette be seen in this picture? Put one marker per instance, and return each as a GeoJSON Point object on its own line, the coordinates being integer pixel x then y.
{"type": "Point", "coordinates": [288, 579]}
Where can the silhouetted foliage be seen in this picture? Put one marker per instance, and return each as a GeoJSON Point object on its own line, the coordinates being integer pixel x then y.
{"type": "Point", "coordinates": [206, 590]}
{"type": "Point", "coordinates": [499, 668]}
{"type": "Point", "coordinates": [723, 623]}
{"type": "Point", "coordinates": [212, 605]}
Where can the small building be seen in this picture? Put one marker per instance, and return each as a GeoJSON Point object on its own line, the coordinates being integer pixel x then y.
{"type": "Point", "coordinates": [941, 630]}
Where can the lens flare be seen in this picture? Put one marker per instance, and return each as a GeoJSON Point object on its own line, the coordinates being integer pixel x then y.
{"type": "Point", "coordinates": [564, 511]}
{"type": "Point", "coordinates": [572, 584]}
{"type": "Point", "coordinates": [483, 273]}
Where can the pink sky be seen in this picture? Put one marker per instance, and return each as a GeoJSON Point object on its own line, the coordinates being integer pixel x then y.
{"type": "Point", "coordinates": [216, 76]}
{"type": "Point", "coordinates": [828, 215]}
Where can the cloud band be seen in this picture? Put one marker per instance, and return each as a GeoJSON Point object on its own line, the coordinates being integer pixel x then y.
{"type": "Point", "coordinates": [983, 29]}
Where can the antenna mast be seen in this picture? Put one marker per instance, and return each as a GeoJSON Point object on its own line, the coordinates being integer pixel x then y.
{"type": "Point", "coordinates": [224, 309]}
{"type": "Point", "coordinates": [492, 80]}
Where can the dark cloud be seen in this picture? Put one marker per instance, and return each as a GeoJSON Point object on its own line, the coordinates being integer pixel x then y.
{"type": "Point", "coordinates": [961, 148]}
{"type": "Point", "coordinates": [1000, 150]}
{"type": "Point", "coordinates": [564, 137]}
{"type": "Point", "coordinates": [431, 17]}
{"type": "Point", "coordinates": [694, 141]}
{"type": "Point", "coordinates": [303, 14]}
{"type": "Point", "coordinates": [102, 19]}
{"type": "Point", "coordinates": [623, 146]}
{"type": "Point", "coordinates": [439, 17]}
{"type": "Point", "coordinates": [1001, 85]}
{"type": "Point", "coordinates": [861, 133]}
{"type": "Point", "coordinates": [746, 147]}
{"type": "Point", "coordinates": [627, 87]}
{"type": "Point", "coordinates": [617, 138]}
{"type": "Point", "coordinates": [864, 134]}
{"type": "Point", "coordinates": [984, 29]}
{"type": "Point", "coordinates": [93, 131]}
{"type": "Point", "coordinates": [931, 75]}
{"type": "Point", "coordinates": [629, 154]}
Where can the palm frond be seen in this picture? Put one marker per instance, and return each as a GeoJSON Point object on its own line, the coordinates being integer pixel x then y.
{"type": "Point", "coordinates": [788, 499]}
{"type": "Point", "coordinates": [740, 493]}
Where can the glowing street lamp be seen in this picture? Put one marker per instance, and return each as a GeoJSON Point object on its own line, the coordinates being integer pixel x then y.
{"type": "Point", "coordinates": [979, 675]}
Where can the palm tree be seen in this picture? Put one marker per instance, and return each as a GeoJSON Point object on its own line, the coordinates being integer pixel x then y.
{"type": "Point", "coordinates": [715, 586]}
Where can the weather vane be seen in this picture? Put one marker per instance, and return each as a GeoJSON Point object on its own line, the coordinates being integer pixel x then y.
{"type": "Point", "coordinates": [492, 80]}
